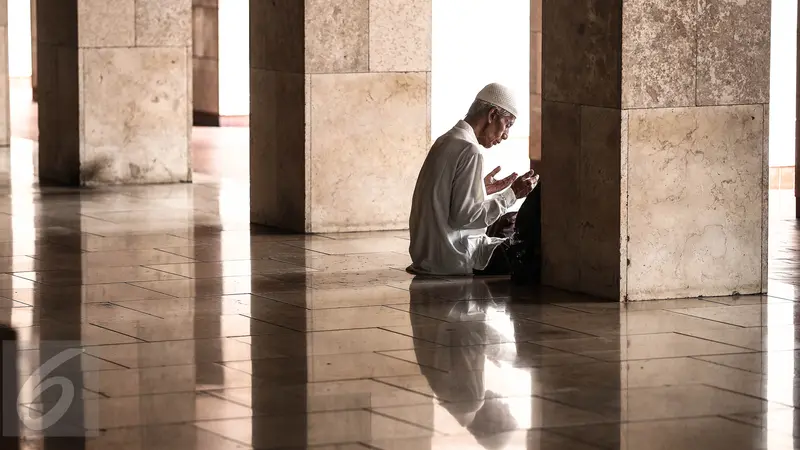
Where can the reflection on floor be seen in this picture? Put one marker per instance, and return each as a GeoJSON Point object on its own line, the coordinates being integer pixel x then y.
{"type": "Point", "coordinates": [199, 331]}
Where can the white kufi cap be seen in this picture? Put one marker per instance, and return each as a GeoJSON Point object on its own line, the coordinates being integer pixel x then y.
{"type": "Point", "coordinates": [500, 96]}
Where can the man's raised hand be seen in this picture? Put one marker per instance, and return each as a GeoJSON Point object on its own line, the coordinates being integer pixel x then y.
{"type": "Point", "coordinates": [494, 186]}
{"type": "Point", "coordinates": [525, 184]}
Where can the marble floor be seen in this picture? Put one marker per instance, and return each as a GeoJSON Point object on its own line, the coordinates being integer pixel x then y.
{"type": "Point", "coordinates": [198, 331]}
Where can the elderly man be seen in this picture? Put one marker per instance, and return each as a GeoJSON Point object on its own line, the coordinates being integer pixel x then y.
{"type": "Point", "coordinates": [454, 205]}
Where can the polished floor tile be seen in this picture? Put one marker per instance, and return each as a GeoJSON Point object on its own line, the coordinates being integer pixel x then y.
{"type": "Point", "coordinates": [346, 245]}
{"type": "Point", "coordinates": [161, 437]}
{"type": "Point", "coordinates": [643, 346]}
{"type": "Point", "coordinates": [521, 439]}
{"type": "Point", "coordinates": [314, 429]}
{"type": "Point", "coordinates": [699, 433]}
{"type": "Point", "coordinates": [667, 402]}
{"type": "Point", "coordinates": [228, 269]}
{"type": "Point", "coordinates": [342, 297]}
{"type": "Point", "coordinates": [315, 369]}
{"type": "Point", "coordinates": [117, 382]}
{"type": "Point", "coordinates": [174, 329]}
{"type": "Point", "coordinates": [98, 275]}
{"type": "Point", "coordinates": [323, 397]}
{"type": "Point", "coordinates": [162, 409]}
{"type": "Point", "coordinates": [189, 328]}
{"type": "Point", "coordinates": [493, 415]}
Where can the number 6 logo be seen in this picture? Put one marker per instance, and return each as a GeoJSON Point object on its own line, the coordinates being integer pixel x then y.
{"type": "Point", "coordinates": [67, 391]}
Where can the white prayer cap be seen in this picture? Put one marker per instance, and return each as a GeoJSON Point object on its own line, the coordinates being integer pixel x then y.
{"type": "Point", "coordinates": [498, 95]}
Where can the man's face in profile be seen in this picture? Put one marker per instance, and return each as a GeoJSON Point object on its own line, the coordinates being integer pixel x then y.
{"type": "Point", "coordinates": [497, 129]}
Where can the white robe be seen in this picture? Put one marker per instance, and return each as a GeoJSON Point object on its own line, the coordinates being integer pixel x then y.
{"type": "Point", "coordinates": [451, 211]}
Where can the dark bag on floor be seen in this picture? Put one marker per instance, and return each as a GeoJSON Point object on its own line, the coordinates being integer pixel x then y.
{"type": "Point", "coordinates": [526, 248]}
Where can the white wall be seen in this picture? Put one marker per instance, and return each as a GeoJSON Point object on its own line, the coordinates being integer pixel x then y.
{"type": "Point", "coordinates": [19, 38]}
{"type": "Point", "coordinates": [783, 83]}
{"type": "Point", "coordinates": [477, 42]}
{"type": "Point", "coordinates": [234, 57]}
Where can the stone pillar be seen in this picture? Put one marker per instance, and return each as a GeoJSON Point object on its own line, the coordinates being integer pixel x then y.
{"type": "Point", "coordinates": [5, 99]}
{"type": "Point", "coordinates": [34, 57]}
{"type": "Point", "coordinates": [205, 62]}
{"type": "Point", "coordinates": [536, 82]}
{"type": "Point", "coordinates": [114, 91]}
{"type": "Point", "coordinates": [797, 128]}
{"type": "Point", "coordinates": [654, 135]}
{"type": "Point", "coordinates": [340, 112]}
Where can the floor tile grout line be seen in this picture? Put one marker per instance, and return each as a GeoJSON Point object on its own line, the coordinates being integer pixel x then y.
{"type": "Point", "coordinates": [576, 440]}
{"type": "Point", "coordinates": [151, 290]}
{"type": "Point", "coordinates": [139, 340]}
{"type": "Point", "coordinates": [586, 334]}
{"type": "Point", "coordinates": [699, 358]}
{"type": "Point", "coordinates": [767, 295]}
{"type": "Point", "coordinates": [136, 310]}
{"type": "Point", "coordinates": [379, 352]}
{"type": "Point", "coordinates": [405, 335]}
{"type": "Point", "coordinates": [182, 277]}
{"type": "Point", "coordinates": [402, 388]}
{"type": "Point", "coordinates": [122, 366]}
{"type": "Point", "coordinates": [744, 394]}
{"type": "Point", "coordinates": [400, 420]}
{"type": "Point", "coordinates": [228, 439]}
{"type": "Point", "coordinates": [719, 342]}
{"type": "Point", "coordinates": [596, 355]}
{"type": "Point", "coordinates": [731, 418]}
{"type": "Point", "coordinates": [97, 218]}
{"type": "Point", "coordinates": [268, 323]}
{"type": "Point", "coordinates": [594, 359]}
{"type": "Point", "coordinates": [733, 325]}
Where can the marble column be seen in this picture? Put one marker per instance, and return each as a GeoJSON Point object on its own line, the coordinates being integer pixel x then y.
{"type": "Point", "coordinates": [34, 62]}
{"type": "Point", "coordinates": [205, 62]}
{"type": "Point", "coordinates": [536, 82]}
{"type": "Point", "coordinates": [114, 91]}
{"type": "Point", "coordinates": [5, 100]}
{"type": "Point", "coordinates": [654, 121]}
{"type": "Point", "coordinates": [797, 128]}
{"type": "Point", "coordinates": [340, 112]}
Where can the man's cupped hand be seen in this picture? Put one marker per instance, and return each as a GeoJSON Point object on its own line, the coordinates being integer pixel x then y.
{"type": "Point", "coordinates": [494, 186]}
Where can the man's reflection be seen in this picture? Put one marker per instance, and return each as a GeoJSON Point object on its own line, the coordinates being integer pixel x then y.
{"type": "Point", "coordinates": [471, 323]}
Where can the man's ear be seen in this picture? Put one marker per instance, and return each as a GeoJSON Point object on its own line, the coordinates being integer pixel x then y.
{"type": "Point", "coordinates": [492, 116]}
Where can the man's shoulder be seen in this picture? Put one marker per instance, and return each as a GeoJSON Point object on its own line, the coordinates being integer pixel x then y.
{"type": "Point", "coordinates": [457, 142]}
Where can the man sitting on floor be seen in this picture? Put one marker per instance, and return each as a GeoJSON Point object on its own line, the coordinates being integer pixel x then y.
{"type": "Point", "coordinates": [454, 205]}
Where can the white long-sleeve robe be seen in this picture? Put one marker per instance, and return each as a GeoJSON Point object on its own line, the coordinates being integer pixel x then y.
{"type": "Point", "coordinates": [451, 211]}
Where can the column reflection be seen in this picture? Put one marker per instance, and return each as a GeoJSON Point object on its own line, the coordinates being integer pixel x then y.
{"type": "Point", "coordinates": [281, 390]}
{"type": "Point", "coordinates": [57, 242]}
{"type": "Point", "coordinates": [207, 321]}
{"type": "Point", "coordinates": [780, 371]}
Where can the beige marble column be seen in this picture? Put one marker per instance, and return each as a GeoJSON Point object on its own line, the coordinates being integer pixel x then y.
{"type": "Point", "coordinates": [340, 112]}
{"type": "Point", "coordinates": [114, 91]}
{"type": "Point", "coordinates": [34, 62]}
{"type": "Point", "coordinates": [654, 136]}
{"type": "Point", "coordinates": [536, 82]}
{"type": "Point", "coordinates": [205, 62]}
{"type": "Point", "coordinates": [797, 129]}
{"type": "Point", "coordinates": [5, 100]}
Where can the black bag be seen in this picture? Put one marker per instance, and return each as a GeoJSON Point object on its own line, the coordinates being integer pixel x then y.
{"type": "Point", "coordinates": [526, 244]}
